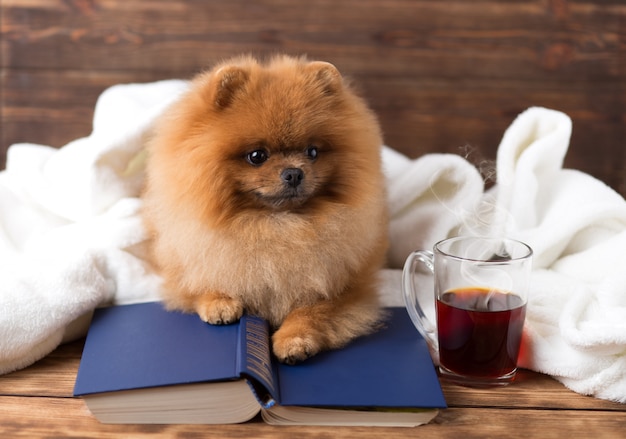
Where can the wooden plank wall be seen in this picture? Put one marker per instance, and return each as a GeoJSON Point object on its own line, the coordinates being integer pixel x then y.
{"type": "Point", "coordinates": [444, 76]}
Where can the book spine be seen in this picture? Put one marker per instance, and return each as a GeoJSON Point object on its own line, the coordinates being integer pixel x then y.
{"type": "Point", "coordinates": [255, 363]}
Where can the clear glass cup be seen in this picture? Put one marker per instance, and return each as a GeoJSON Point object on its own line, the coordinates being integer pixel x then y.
{"type": "Point", "coordinates": [481, 291]}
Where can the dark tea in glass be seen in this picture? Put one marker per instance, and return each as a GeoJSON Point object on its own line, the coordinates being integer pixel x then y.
{"type": "Point", "coordinates": [480, 331]}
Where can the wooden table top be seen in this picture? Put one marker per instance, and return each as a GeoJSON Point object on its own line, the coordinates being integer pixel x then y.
{"type": "Point", "coordinates": [37, 402]}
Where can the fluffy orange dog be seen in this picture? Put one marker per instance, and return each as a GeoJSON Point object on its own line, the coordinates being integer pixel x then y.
{"type": "Point", "coordinates": [265, 194]}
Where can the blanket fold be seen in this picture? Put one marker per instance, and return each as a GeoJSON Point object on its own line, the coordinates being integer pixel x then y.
{"type": "Point", "coordinates": [71, 237]}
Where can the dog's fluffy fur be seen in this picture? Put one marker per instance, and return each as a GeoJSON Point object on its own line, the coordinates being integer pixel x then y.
{"type": "Point", "coordinates": [265, 193]}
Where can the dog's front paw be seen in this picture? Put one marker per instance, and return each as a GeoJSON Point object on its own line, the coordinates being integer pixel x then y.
{"type": "Point", "coordinates": [294, 348]}
{"type": "Point", "coordinates": [218, 309]}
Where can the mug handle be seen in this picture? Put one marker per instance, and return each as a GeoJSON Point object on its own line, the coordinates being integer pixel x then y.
{"type": "Point", "coordinates": [418, 317]}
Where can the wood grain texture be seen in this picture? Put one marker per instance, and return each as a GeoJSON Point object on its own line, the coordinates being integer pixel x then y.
{"type": "Point", "coordinates": [52, 376]}
{"type": "Point", "coordinates": [52, 417]}
{"type": "Point", "coordinates": [37, 402]}
{"type": "Point", "coordinates": [443, 76]}
{"type": "Point", "coordinates": [397, 37]}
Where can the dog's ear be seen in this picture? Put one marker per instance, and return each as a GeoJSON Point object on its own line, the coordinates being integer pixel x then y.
{"type": "Point", "coordinates": [226, 82]}
{"type": "Point", "coordinates": [327, 76]}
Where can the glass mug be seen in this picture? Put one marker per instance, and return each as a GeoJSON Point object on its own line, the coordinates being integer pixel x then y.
{"type": "Point", "coordinates": [481, 290]}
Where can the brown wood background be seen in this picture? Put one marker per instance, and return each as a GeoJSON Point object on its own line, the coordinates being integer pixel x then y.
{"type": "Point", "coordinates": [443, 76]}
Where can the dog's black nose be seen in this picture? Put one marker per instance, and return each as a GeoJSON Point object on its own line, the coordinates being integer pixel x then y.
{"type": "Point", "coordinates": [292, 176]}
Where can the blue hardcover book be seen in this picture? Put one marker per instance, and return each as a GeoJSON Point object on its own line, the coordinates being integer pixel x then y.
{"type": "Point", "coordinates": [143, 364]}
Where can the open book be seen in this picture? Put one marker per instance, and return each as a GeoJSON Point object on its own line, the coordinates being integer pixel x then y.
{"type": "Point", "coordinates": [143, 364]}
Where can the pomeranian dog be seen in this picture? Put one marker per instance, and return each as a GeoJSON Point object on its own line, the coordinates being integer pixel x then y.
{"type": "Point", "coordinates": [265, 194]}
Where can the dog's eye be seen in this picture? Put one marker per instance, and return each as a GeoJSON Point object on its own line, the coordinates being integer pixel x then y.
{"type": "Point", "coordinates": [257, 157]}
{"type": "Point", "coordinates": [311, 152]}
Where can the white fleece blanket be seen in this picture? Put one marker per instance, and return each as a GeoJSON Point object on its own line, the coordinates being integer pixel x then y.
{"type": "Point", "coordinates": [71, 238]}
